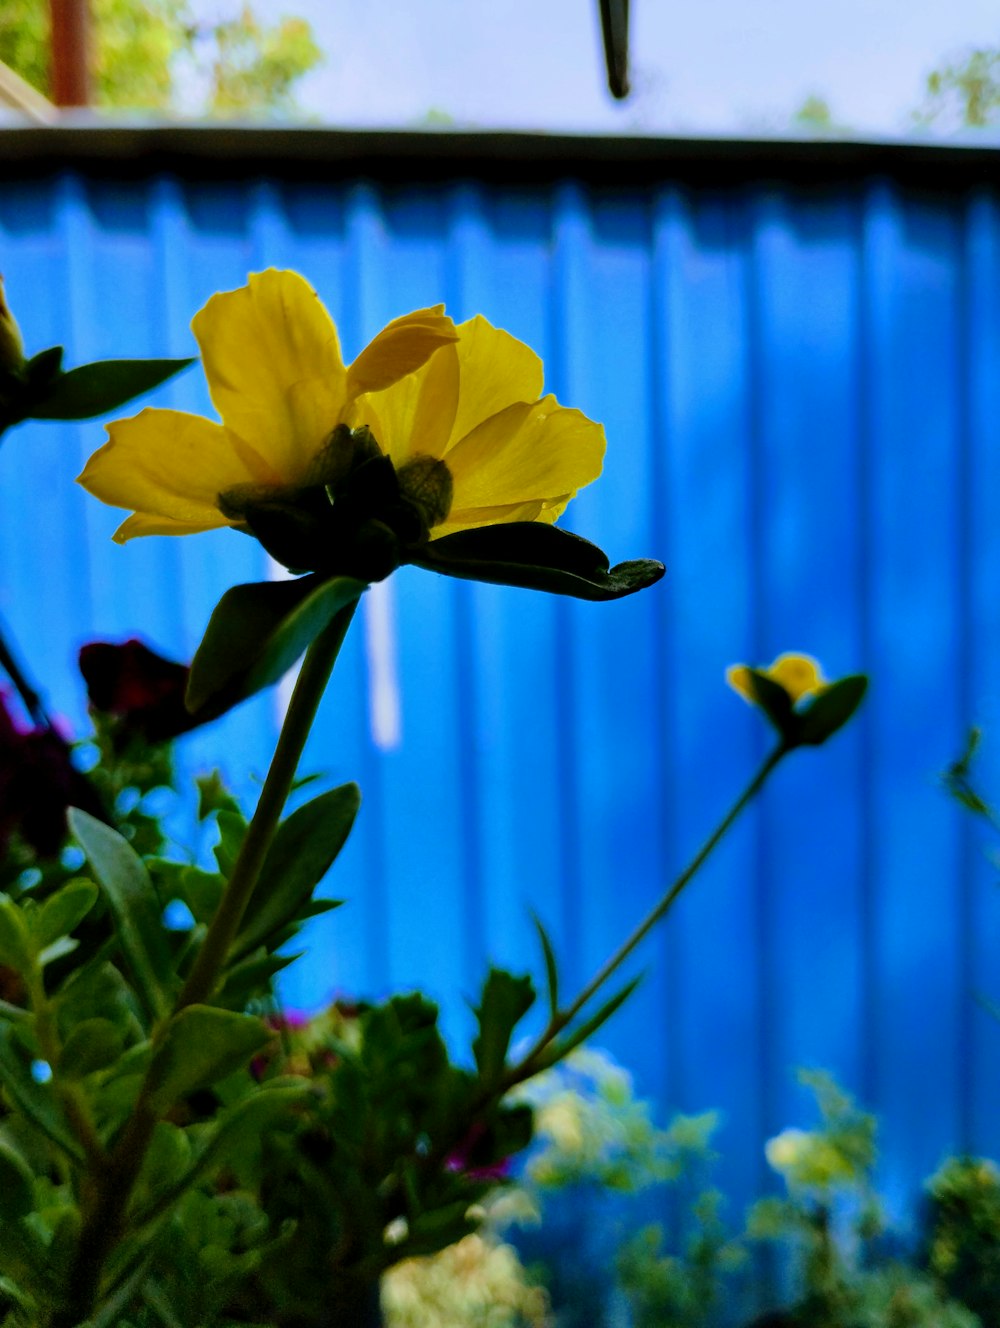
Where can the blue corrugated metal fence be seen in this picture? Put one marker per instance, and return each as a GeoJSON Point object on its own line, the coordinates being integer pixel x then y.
{"type": "Point", "coordinates": [801, 390]}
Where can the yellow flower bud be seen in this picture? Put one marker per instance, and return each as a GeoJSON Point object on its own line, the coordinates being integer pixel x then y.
{"type": "Point", "coordinates": [799, 675]}
{"type": "Point", "coordinates": [11, 345]}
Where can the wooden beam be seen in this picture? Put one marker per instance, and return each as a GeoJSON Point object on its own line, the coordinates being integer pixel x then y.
{"type": "Point", "coordinates": [70, 52]}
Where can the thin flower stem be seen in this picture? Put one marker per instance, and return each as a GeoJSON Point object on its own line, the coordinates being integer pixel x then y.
{"type": "Point", "coordinates": [565, 1017]}
{"type": "Point", "coordinates": [535, 1059]}
{"type": "Point", "coordinates": [32, 701]}
{"type": "Point", "coordinates": [104, 1216]}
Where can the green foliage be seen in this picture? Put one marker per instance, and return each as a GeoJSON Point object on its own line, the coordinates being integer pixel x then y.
{"type": "Point", "coordinates": [148, 57]}
{"type": "Point", "coordinates": [963, 1240]}
{"type": "Point", "coordinates": [964, 92]}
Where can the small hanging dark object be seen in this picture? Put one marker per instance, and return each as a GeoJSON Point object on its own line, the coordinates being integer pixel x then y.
{"type": "Point", "coordinates": [614, 26]}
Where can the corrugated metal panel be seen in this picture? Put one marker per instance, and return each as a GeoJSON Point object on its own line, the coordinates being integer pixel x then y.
{"type": "Point", "coordinates": [801, 394]}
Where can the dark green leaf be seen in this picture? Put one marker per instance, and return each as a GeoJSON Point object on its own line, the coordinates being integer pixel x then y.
{"type": "Point", "coordinates": [232, 832]}
{"type": "Point", "coordinates": [831, 709]}
{"type": "Point", "coordinates": [38, 1101]}
{"type": "Point", "coordinates": [538, 557]}
{"type": "Point", "coordinates": [551, 971]}
{"type": "Point", "coordinates": [95, 389]}
{"type": "Point", "coordinates": [40, 370]}
{"type": "Point", "coordinates": [202, 1045]}
{"type": "Point", "coordinates": [591, 1025]}
{"type": "Point", "coordinates": [17, 1185]}
{"type": "Point", "coordinates": [134, 907]}
{"type": "Point", "coordinates": [92, 1045]}
{"type": "Point", "coordinates": [63, 911]}
{"type": "Point", "coordinates": [213, 796]}
{"type": "Point", "coordinates": [504, 1002]}
{"type": "Point", "coordinates": [16, 948]}
{"type": "Point", "coordinates": [303, 851]}
{"type": "Point", "coordinates": [232, 1133]}
{"type": "Point", "coordinates": [256, 634]}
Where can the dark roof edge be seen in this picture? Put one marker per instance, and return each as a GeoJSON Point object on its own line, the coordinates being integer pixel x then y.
{"type": "Point", "coordinates": [433, 154]}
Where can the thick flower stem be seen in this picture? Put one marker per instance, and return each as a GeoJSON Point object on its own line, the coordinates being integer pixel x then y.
{"type": "Point", "coordinates": [104, 1216]}
{"type": "Point", "coordinates": [309, 687]}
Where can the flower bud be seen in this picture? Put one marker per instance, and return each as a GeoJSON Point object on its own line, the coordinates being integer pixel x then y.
{"type": "Point", "coordinates": [11, 345]}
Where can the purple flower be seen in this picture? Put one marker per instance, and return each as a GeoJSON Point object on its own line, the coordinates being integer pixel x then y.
{"type": "Point", "coordinates": [141, 689]}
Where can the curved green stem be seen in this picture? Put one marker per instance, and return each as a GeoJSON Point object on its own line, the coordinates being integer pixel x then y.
{"type": "Point", "coordinates": [104, 1215]}
{"type": "Point", "coordinates": [565, 1017]}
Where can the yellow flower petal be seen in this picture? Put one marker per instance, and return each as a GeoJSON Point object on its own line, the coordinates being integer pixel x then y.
{"type": "Point", "coordinates": [496, 370]}
{"type": "Point", "coordinates": [142, 523]}
{"type": "Point", "coordinates": [738, 678]}
{"type": "Point", "coordinates": [275, 373]}
{"type": "Point", "coordinates": [800, 675]}
{"type": "Point", "coordinates": [416, 415]}
{"type": "Point", "coordinates": [400, 348]}
{"type": "Point", "coordinates": [170, 466]}
{"type": "Point", "coordinates": [526, 452]}
{"type": "Point", "coordinates": [471, 517]}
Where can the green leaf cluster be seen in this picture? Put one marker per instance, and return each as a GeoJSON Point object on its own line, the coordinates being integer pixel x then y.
{"type": "Point", "coordinates": [144, 54]}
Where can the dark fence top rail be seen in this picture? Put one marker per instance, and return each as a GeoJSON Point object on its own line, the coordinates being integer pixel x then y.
{"type": "Point", "coordinates": [422, 155]}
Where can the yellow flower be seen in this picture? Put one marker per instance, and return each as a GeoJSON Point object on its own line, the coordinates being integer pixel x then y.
{"type": "Point", "coordinates": [799, 675]}
{"type": "Point", "coordinates": [805, 1158]}
{"type": "Point", "coordinates": [456, 410]}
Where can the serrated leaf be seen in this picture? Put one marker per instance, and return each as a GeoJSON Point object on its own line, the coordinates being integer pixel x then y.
{"type": "Point", "coordinates": [134, 908]}
{"type": "Point", "coordinates": [591, 1025]}
{"type": "Point", "coordinates": [63, 911]}
{"type": "Point", "coordinates": [200, 1046]}
{"type": "Point", "coordinates": [831, 709]}
{"type": "Point", "coordinates": [304, 848]}
{"type": "Point", "coordinates": [536, 556]}
{"type": "Point", "coordinates": [505, 1001]}
{"type": "Point", "coordinates": [257, 632]}
{"type": "Point", "coordinates": [102, 386]}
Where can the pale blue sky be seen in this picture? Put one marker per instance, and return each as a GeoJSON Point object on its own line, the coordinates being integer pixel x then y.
{"type": "Point", "coordinates": [711, 65]}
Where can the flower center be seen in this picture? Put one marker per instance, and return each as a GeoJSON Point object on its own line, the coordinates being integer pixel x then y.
{"type": "Point", "coordinates": [355, 514]}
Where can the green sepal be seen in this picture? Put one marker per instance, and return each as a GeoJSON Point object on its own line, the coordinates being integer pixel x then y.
{"type": "Point", "coordinates": [831, 709]}
{"type": "Point", "coordinates": [257, 632]}
{"type": "Point", "coordinates": [200, 1046]}
{"type": "Point", "coordinates": [135, 909]}
{"type": "Point", "coordinates": [304, 848]}
{"type": "Point", "coordinates": [37, 1101]}
{"type": "Point", "coordinates": [535, 556]}
{"type": "Point", "coordinates": [94, 389]}
{"type": "Point", "coordinates": [17, 1185]}
{"type": "Point", "coordinates": [776, 704]}
{"type": "Point", "coordinates": [504, 1002]}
